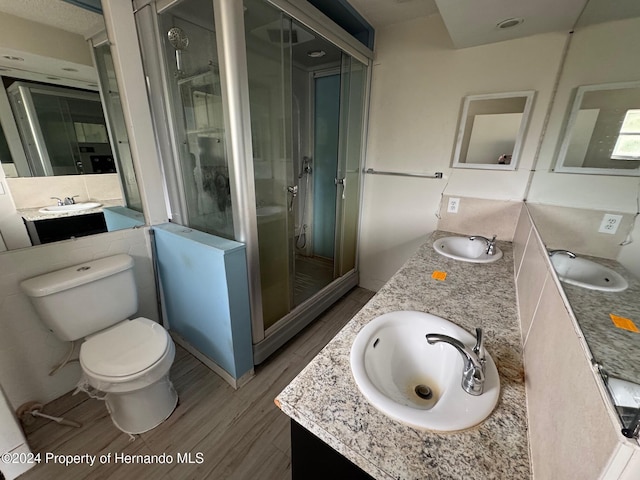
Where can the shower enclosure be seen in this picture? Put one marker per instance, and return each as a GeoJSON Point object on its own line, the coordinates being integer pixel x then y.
{"type": "Point", "coordinates": [287, 181]}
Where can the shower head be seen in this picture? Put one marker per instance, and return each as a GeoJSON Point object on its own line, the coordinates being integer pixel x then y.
{"type": "Point", "coordinates": [179, 40]}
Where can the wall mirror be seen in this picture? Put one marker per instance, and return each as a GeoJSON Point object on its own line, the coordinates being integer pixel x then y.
{"type": "Point", "coordinates": [491, 130]}
{"type": "Point", "coordinates": [596, 216]}
{"type": "Point", "coordinates": [602, 135]}
{"type": "Point", "coordinates": [62, 131]}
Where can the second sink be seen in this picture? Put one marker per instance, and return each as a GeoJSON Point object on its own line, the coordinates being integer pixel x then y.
{"type": "Point", "coordinates": [588, 274]}
{"type": "Point", "coordinates": [74, 207]}
{"type": "Point", "coordinates": [466, 250]}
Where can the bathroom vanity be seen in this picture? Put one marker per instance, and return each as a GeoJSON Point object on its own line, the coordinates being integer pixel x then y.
{"type": "Point", "coordinates": [327, 408]}
{"type": "Point", "coordinates": [53, 227]}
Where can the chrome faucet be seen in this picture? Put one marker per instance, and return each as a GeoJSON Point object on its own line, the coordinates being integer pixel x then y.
{"type": "Point", "coordinates": [563, 252]}
{"type": "Point", "coordinates": [60, 202]}
{"type": "Point", "coordinates": [70, 200]}
{"type": "Point", "coordinates": [474, 360]}
{"type": "Point", "coordinates": [491, 244]}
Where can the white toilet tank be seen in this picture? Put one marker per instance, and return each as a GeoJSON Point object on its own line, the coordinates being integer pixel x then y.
{"type": "Point", "coordinates": [77, 301]}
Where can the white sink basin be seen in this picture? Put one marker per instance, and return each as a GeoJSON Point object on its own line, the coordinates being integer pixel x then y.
{"type": "Point", "coordinates": [75, 207]}
{"type": "Point", "coordinates": [390, 357]}
{"type": "Point", "coordinates": [587, 274]}
{"type": "Point", "coordinates": [466, 250]}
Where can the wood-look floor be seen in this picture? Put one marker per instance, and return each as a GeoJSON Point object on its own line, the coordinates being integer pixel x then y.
{"type": "Point", "coordinates": [241, 434]}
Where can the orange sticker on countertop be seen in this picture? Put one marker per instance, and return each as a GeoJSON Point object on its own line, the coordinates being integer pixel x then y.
{"type": "Point", "coordinates": [439, 275]}
{"type": "Point", "coordinates": [624, 323]}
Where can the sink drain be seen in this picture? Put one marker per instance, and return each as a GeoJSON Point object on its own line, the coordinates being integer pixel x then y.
{"type": "Point", "coordinates": [423, 392]}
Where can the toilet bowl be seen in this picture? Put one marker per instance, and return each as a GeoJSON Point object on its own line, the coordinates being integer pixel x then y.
{"type": "Point", "coordinates": [130, 363]}
{"type": "Point", "coordinates": [126, 361]}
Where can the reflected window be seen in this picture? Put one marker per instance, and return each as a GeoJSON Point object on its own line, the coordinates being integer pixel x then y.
{"type": "Point", "coordinates": [627, 145]}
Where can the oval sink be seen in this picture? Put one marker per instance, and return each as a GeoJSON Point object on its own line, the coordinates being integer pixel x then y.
{"type": "Point", "coordinates": [396, 369]}
{"type": "Point", "coordinates": [74, 207]}
{"type": "Point", "coordinates": [466, 250]}
{"type": "Point", "coordinates": [587, 274]}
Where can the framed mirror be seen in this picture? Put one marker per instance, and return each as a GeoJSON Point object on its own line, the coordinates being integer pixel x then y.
{"type": "Point", "coordinates": [62, 130]}
{"type": "Point", "coordinates": [602, 135]}
{"type": "Point", "coordinates": [491, 130]}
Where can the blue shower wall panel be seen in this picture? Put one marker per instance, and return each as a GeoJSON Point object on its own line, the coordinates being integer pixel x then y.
{"type": "Point", "coordinates": [326, 133]}
{"type": "Point", "coordinates": [119, 218]}
{"type": "Point", "coordinates": [206, 296]}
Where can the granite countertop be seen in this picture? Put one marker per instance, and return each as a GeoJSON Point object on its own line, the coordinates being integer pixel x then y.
{"type": "Point", "coordinates": [325, 400]}
{"type": "Point", "coordinates": [34, 214]}
{"type": "Point", "coordinates": [617, 350]}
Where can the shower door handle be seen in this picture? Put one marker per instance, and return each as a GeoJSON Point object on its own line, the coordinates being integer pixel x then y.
{"type": "Point", "coordinates": [343, 182]}
{"type": "Point", "coordinates": [293, 190]}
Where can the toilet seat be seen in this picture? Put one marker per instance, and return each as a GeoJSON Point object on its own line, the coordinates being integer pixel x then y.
{"type": "Point", "coordinates": [126, 351]}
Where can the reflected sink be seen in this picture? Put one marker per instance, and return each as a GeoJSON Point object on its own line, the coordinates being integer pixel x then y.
{"type": "Point", "coordinates": [391, 362]}
{"type": "Point", "coordinates": [587, 274]}
{"type": "Point", "coordinates": [466, 250]}
{"type": "Point", "coordinates": [74, 207]}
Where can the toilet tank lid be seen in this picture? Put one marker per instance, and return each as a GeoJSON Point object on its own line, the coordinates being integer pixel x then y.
{"type": "Point", "coordinates": [76, 275]}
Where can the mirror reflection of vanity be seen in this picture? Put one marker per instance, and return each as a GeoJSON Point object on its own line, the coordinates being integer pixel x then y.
{"type": "Point", "coordinates": [63, 132]}
{"type": "Point", "coordinates": [585, 192]}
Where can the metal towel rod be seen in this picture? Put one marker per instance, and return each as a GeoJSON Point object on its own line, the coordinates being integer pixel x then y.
{"type": "Point", "coordinates": [400, 174]}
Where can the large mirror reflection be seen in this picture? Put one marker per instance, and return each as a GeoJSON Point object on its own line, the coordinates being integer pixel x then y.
{"type": "Point", "coordinates": [603, 131]}
{"type": "Point", "coordinates": [588, 222]}
{"type": "Point", "coordinates": [66, 168]}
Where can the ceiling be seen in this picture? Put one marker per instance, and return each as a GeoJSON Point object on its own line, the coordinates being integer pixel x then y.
{"type": "Point", "coordinates": [29, 66]}
{"type": "Point", "coordinates": [469, 22]}
{"type": "Point", "coordinates": [474, 22]}
{"type": "Point", "coordinates": [55, 13]}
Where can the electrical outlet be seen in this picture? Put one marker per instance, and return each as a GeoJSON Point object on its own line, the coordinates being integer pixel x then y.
{"type": "Point", "coordinates": [454, 204]}
{"type": "Point", "coordinates": [610, 223]}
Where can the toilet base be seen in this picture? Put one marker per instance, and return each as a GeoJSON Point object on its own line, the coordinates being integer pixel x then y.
{"type": "Point", "coordinates": [141, 410]}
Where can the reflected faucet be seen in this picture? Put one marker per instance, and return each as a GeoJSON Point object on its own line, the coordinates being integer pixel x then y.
{"type": "Point", "coordinates": [474, 360]}
{"type": "Point", "coordinates": [491, 244]}
{"type": "Point", "coordinates": [562, 252]}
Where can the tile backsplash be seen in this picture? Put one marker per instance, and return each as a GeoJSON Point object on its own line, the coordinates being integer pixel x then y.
{"type": "Point", "coordinates": [34, 192]}
{"type": "Point", "coordinates": [478, 216]}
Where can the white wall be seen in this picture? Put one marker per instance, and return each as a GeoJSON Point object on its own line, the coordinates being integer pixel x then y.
{"type": "Point", "coordinates": [418, 86]}
{"type": "Point", "coordinates": [27, 349]}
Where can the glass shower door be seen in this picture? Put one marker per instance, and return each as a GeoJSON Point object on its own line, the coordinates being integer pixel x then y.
{"type": "Point", "coordinates": [190, 55]}
{"type": "Point", "coordinates": [268, 36]}
{"type": "Point", "coordinates": [353, 76]}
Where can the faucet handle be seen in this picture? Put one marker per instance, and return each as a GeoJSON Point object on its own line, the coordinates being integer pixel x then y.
{"type": "Point", "coordinates": [70, 200]}
{"type": "Point", "coordinates": [478, 349]}
{"type": "Point", "coordinates": [60, 201]}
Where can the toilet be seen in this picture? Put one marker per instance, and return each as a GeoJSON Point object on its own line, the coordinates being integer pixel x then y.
{"type": "Point", "coordinates": [126, 360]}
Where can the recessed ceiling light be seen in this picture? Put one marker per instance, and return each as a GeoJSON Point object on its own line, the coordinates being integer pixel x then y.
{"type": "Point", "coordinates": [11, 57]}
{"type": "Point", "coordinates": [510, 22]}
{"type": "Point", "coordinates": [69, 69]}
{"type": "Point", "coordinates": [316, 53]}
